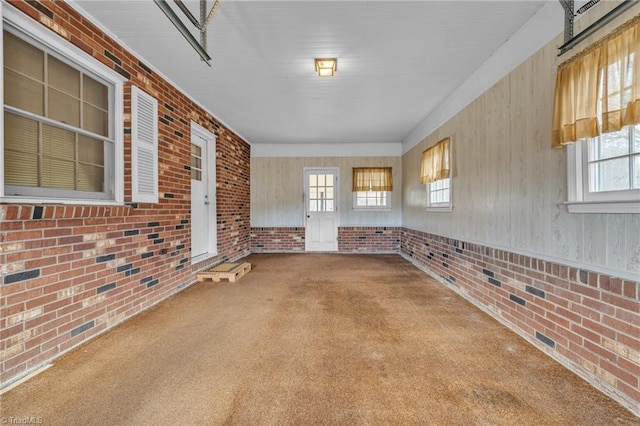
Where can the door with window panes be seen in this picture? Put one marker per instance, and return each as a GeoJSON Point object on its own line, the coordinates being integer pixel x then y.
{"type": "Point", "coordinates": [321, 208]}
{"type": "Point", "coordinates": [203, 197]}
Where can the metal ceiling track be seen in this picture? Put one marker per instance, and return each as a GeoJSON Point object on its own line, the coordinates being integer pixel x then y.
{"type": "Point", "coordinates": [570, 41]}
{"type": "Point", "coordinates": [201, 25]}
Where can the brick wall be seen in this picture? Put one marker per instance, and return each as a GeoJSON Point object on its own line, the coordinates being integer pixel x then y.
{"type": "Point", "coordinates": [354, 239]}
{"type": "Point", "coordinates": [72, 272]}
{"type": "Point", "coordinates": [369, 239]}
{"type": "Point", "coordinates": [590, 322]}
{"type": "Point", "coordinates": [277, 239]}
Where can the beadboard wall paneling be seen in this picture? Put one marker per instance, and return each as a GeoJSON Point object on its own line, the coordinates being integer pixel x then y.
{"type": "Point", "coordinates": [509, 185]}
{"type": "Point", "coordinates": [277, 187]}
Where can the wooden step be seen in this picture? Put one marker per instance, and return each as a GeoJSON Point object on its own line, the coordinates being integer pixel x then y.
{"type": "Point", "coordinates": [229, 271]}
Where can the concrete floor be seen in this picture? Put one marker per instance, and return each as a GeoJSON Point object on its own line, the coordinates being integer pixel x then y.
{"type": "Point", "coordinates": [313, 339]}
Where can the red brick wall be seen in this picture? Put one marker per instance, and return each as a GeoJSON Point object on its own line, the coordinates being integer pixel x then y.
{"type": "Point", "coordinates": [71, 272]}
{"type": "Point", "coordinates": [275, 239]}
{"type": "Point", "coordinates": [590, 322]}
{"type": "Point", "coordinates": [355, 239]}
{"type": "Point", "coordinates": [369, 239]}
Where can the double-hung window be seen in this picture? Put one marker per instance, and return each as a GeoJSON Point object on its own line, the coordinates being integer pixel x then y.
{"type": "Point", "coordinates": [436, 175]}
{"type": "Point", "coordinates": [612, 165]}
{"type": "Point", "coordinates": [372, 188]}
{"type": "Point", "coordinates": [62, 120]}
{"type": "Point", "coordinates": [597, 116]}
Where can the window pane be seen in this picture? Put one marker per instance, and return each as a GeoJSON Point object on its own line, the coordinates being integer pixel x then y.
{"type": "Point", "coordinates": [24, 93]}
{"type": "Point", "coordinates": [439, 192]}
{"type": "Point", "coordinates": [58, 143]}
{"type": "Point", "coordinates": [329, 206]}
{"type": "Point", "coordinates": [609, 175]}
{"type": "Point", "coordinates": [313, 193]}
{"type": "Point", "coordinates": [95, 120]}
{"type": "Point", "coordinates": [329, 180]}
{"type": "Point", "coordinates": [329, 193]}
{"type": "Point", "coordinates": [21, 148]}
{"type": "Point", "coordinates": [64, 108]}
{"type": "Point", "coordinates": [636, 174]}
{"type": "Point", "coordinates": [313, 181]}
{"type": "Point", "coordinates": [610, 145]}
{"type": "Point", "coordinates": [636, 138]}
{"type": "Point", "coordinates": [57, 173]}
{"type": "Point", "coordinates": [320, 180]}
{"type": "Point", "coordinates": [90, 150]}
{"type": "Point", "coordinates": [95, 93]}
{"type": "Point", "coordinates": [20, 134]}
{"type": "Point", "coordinates": [196, 162]}
{"type": "Point", "coordinates": [22, 57]}
{"type": "Point", "coordinates": [90, 178]}
{"type": "Point", "coordinates": [313, 206]}
{"type": "Point", "coordinates": [63, 77]}
{"type": "Point", "coordinates": [20, 168]}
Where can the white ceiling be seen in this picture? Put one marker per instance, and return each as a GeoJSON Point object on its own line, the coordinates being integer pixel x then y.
{"type": "Point", "coordinates": [397, 61]}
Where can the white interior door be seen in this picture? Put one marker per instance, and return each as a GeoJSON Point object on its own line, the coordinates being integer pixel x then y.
{"type": "Point", "coordinates": [321, 207]}
{"type": "Point", "coordinates": [203, 206]}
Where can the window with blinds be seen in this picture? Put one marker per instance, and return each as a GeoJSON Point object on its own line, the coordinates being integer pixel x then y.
{"type": "Point", "coordinates": [58, 138]}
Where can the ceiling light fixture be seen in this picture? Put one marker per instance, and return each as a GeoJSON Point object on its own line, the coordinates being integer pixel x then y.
{"type": "Point", "coordinates": [326, 67]}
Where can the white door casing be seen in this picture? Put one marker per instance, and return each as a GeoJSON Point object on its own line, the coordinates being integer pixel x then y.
{"type": "Point", "coordinates": [203, 194]}
{"type": "Point", "coordinates": [321, 209]}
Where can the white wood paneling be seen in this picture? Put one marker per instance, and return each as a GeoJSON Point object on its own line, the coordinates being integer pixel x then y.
{"type": "Point", "coordinates": [509, 185]}
{"type": "Point", "coordinates": [277, 187]}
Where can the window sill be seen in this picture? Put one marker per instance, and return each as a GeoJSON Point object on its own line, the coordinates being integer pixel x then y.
{"type": "Point", "coordinates": [371, 209]}
{"type": "Point", "coordinates": [442, 209]}
{"type": "Point", "coordinates": [623, 207]}
{"type": "Point", "coordinates": [59, 201]}
{"type": "Point", "coordinates": [202, 257]}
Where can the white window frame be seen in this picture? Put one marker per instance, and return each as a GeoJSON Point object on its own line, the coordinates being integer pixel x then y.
{"type": "Point", "coordinates": [356, 207]}
{"type": "Point", "coordinates": [440, 207]}
{"type": "Point", "coordinates": [32, 31]}
{"type": "Point", "coordinates": [580, 200]}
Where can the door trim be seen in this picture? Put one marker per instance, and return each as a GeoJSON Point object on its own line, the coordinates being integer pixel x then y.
{"type": "Point", "coordinates": [336, 200]}
{"type": "Point", "coordinates": [212, 235]}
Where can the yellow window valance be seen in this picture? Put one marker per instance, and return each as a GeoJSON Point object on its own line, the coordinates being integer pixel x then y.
{"type": "Point", "coordinates": [372, 179]}
{"type": "Point", "coordinates": [598, 90]}
{"type": "Point", "coordinates": [436, 162]}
